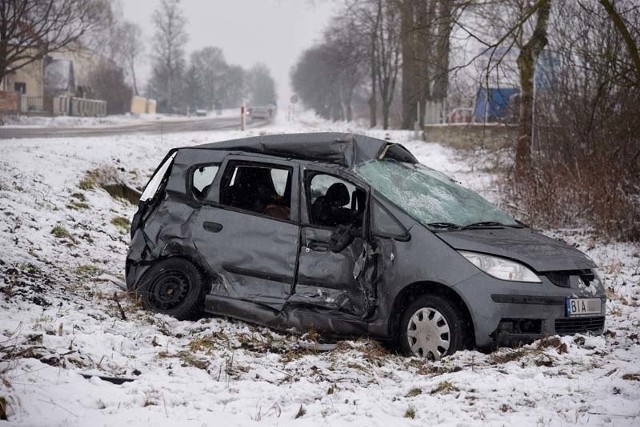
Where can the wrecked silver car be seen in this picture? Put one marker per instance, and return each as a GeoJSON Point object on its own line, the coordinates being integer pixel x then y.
{"type": "Point", "coordinates": [350, 235]}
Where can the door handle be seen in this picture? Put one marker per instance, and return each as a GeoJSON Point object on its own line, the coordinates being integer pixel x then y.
{"type": "Point", "coordinates": [214, 227]}
{"type": "Point", "coordinates": [318, 246]}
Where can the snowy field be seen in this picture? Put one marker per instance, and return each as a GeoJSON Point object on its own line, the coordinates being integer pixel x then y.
{"type": "Point", "coordinates": [64, 321]}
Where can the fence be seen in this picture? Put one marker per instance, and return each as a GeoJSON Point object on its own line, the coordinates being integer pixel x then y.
{"type": "Point", "coordinates": [15, 103]}
{"type": "Point", "coordinates": [32, 104]}
{"type": "Point", "coordinates": [435, 112]}
{"type": "Point", "coordinates": [71, 106]}
{"type": "Point", "coordinates": [9, 101]}
{"type": "Point", "coordinates": [472, 135]}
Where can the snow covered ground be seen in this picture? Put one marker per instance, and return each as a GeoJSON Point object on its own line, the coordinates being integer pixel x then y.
{"type": "Point", "coordinates": [64, 320]}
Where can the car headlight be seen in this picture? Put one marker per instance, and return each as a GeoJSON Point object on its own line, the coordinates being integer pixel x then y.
{"type": "Point", "coordinates": [501, 268]}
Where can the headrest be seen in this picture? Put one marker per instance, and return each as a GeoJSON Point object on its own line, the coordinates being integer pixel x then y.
{"type": "Point", "coordinates": [337, 195]}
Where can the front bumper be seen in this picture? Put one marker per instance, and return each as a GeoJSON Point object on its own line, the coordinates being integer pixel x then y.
{"type": "Point", "coordinates": [512, 313]}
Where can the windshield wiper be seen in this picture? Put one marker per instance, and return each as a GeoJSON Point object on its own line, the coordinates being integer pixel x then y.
{"type": "Point", "coordinates": [444, 225]}
{"type": "Point", "coordinates": [489, 224]}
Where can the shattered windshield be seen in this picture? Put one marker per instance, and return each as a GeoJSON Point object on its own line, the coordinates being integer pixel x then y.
{"type": "Point", "coordinates": [430, 197]}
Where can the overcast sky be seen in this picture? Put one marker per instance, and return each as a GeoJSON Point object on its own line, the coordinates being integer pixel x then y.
{"type": "Point", "coordinates": [248, 31]}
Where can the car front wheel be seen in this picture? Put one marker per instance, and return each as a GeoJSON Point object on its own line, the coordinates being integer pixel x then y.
{"type": "Point", "coordinates": [431, 327]}
{"type": "Point", "coordinates": [173, 286]}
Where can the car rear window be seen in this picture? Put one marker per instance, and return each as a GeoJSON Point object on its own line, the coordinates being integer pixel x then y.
{"type": "Point", "coordinates": [201, 179]}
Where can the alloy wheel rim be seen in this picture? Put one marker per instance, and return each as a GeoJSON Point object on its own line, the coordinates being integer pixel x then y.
{"type": "Point", "coordinates": [428, 334]}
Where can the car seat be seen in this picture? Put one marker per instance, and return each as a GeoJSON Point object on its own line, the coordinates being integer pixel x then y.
{"type": "Point", "coordinates": [327, 210]}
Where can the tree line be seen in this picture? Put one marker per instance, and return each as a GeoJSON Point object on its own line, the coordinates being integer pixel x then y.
{"type": "Point", "coordinates": [376, 51]}
{"type": "Point", "coordinates": [576, 155]}
{"type": "Point", "coordinates": [576, 64]}
{"type": "Point", "coordinates": [31, 30]}
{"type": "Point", "coordinates": [206, 81]}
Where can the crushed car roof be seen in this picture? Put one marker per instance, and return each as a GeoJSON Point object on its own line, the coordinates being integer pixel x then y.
{"type": "Point", "coordinates": [346, 149]}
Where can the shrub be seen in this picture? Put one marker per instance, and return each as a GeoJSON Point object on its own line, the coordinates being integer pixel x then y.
{"type": "Point", "coordinates": [60, 232]}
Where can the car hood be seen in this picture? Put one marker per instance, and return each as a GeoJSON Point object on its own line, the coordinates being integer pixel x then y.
{"type": "Point", "coordinates": [522, 244]}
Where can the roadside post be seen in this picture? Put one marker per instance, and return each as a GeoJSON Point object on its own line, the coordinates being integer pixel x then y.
{"type": "Point", "coordinates": [243, 117]}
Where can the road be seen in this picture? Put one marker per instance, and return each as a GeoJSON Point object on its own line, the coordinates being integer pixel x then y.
{"type": "Point", "coordinates": [153, 127]}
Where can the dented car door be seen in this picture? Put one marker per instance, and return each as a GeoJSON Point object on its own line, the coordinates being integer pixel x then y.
{"type": "Point", "coordinates": [248, 230]}
{"type": "Point", "coordinates": [330, 277]}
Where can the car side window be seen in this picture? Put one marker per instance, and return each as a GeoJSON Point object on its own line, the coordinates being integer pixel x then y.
{"type": "Point", "coordinates": [384, 223]}
{"type": "Point", "coordinates": [334, 201]}
{"type": "Point", "coordinates": [201, 179]}
{"type": "Point", "coordinates": [261, 188]}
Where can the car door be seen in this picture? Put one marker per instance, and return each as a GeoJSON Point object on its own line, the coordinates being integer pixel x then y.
{"type": "Point", "coordinates": [249, 232]}
{"type": "Point", "coordinates": [334, 279]}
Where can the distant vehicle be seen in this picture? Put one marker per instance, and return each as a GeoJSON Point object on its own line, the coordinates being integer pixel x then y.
{"type": "Point", "coordinates": [460, 115]}
{"type": "Point", "coordinates": [261, 113]}
{"type": "Point", "coordinates": [350, 235]}
{"type": "Point", "coordinates": [201, 113]}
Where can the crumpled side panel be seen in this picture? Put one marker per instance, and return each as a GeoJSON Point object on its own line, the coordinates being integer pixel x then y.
{"type": "Point", "coordinates": [255, 256]}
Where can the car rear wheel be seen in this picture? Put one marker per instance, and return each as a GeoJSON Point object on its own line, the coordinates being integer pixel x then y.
{"type": "Point", "coordinates": [431, 327]}
{"type": "Point", "coordinates": [175, 287]}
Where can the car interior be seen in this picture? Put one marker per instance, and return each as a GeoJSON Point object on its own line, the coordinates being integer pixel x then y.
{"type": "Point", "coordinates": [252, 188]}
{"type": "Point", "coordinates": [338, 205]}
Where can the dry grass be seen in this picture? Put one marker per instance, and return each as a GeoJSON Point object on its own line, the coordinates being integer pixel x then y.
{"type": "Point", "coordinates": [414, 392]}
{"type": "Point", "coordinates": [585, 164]}
{"type": "Point", "coordinates": [445, 387]}
{"type": "Point", "coordinates": [4, 406]}
{"type": "Point", "coordinates": [372, 351]}
{"type": "Point", "coordinates": [76, 206]}
{"type": "Point", "coordinates": [552, 342]}
{"type": "Point", "coordinates": [88, 270]}
{"type": "Point", "coordinates": [424, 367]}
{"type": "Point", "coordinates": [410, 412]}
{"type": "Point", "coordinates": [205, 344]}
{"type": "Point", "coordinates": [631, 377]}
{"type": "Point", "coordinates": [111, 180]}
{"type": "Point", "coordinates": [60, 232]}
{"type": "Point", "coordinates": [506, 356]}
{"type": "Point", "coordinates": [121, 223]}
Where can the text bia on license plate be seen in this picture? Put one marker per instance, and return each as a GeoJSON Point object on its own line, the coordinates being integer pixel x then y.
{"type": "Point", "coordinates": [581, 306]}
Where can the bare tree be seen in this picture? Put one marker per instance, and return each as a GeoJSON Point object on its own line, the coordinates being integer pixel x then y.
{"type": "Point", "coordinates": [623, 29]}
{"type": "Point", "coordinates": [107, 82]}
{"type": "Point", "coordinates": [379, 22]}
{"type": "Point", "coordinates": [210, 68]}
{"type": "Point", "coordinates": [527, 32]}
{"type": "Point", "coordinates": [527, 59]}
{"type": "Point", "coordinates": [31, 29]}
{"type": "Point", "coordinates": [426, 27]}
{"type": "Point", "coordinates": [387, 55]}
{"type": "Point", "coordinates": [346, 53]}
{"type": "Point", "coordinates": [262, 86]}
{"type": "Point", "coordinates": [366, 17]}
{"type": "Point", "coordinates": [132, 49]}
{"type": "Point", "coordinates": [327, 75]}
{"type": "Point", "coordinates": [234, 87]}
{"type": "Point", "coordinates": [311, 79]}
{"type": "Point", "coordinates": [586, 155]}
{"type": "Point", "coordinates": [169, 42]}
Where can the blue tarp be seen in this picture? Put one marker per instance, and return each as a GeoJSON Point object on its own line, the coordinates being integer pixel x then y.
{"type": "Point", "coordinates": [492, 105]}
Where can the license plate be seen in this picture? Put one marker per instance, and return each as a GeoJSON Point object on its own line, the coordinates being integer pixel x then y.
{"type": "Point", "coordinates": [582, 306]}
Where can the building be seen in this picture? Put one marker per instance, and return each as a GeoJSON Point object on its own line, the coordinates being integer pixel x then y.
{"type": "Point", "coordinates": [28, 80]}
